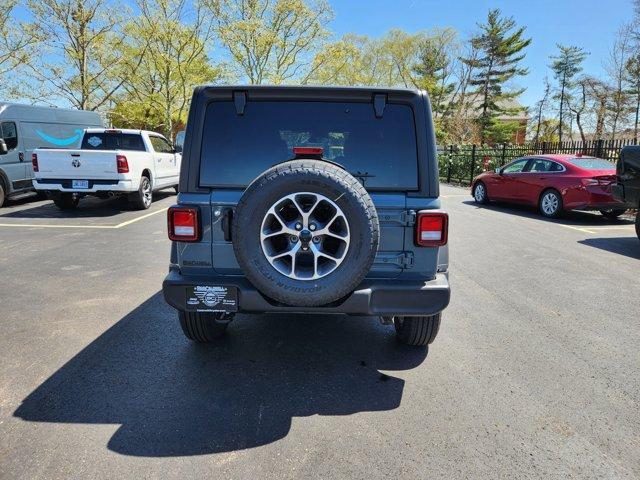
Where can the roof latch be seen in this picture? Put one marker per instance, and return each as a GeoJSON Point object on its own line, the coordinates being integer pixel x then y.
{"type": "Point", "coordinates": [379, 102]}
{"type": "Point", "coordinates": [240, 100]}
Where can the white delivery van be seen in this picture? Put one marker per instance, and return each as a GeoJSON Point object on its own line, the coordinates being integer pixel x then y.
{"type": "Point", "coordinates": [24, 128]}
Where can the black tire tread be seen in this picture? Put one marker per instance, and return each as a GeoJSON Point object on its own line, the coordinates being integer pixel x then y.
{"type": "Point", "coordinates": [327, 171]}
{"type": "Point", "coordinates": [638, 223]}
{"type": "Point", "coordinates": [65, 201]}
{"type": "Point", "coordinates": [201, 328]}
{"type": "Point", "coordinates": [418, 330]}
{"type": "Point", "coordinates": [613, 213]}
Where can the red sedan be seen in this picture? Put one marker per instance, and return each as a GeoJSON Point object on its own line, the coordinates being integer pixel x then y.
{"type": "Point", "coordinates": [553, 183]}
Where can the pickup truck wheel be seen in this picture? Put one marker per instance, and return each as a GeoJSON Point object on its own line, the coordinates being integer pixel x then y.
{"type": "Point", "coordinates": [417, 330]}
{"type": "Point", "coordinates": [202, 327]}
{"type": "Point", "coordinates": [66, 201]}
{"type": "Point", "coordinates": [142, 199]}
{"type": "Point", "coordinates": [612, 213]}
{"type": "Point", "coordinates": [305, 232]}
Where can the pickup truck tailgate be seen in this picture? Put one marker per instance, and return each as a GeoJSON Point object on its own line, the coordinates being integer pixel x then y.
{"type": "Point", "coordinates": [76, 164]}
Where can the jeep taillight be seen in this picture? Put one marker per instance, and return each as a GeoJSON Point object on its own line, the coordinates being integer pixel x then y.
{"type": "Point", "coordinates": [34, 161]}
{"type": "Point", "coordinates": [431, 228]}
{"type": "Point", "coordinates": [122, 163]}
{"type": "Point", "coordinates": [183, 224]}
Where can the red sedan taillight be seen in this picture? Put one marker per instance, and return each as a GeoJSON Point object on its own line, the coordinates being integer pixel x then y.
{"type": "Point", "coordinates": [183, 224]}
{"type": "Point", "coordinates": [602, 180]}
{"type": "Point", "coordinates": [432, 228]}
{"type": "Point", "coordinates": [34, 161]}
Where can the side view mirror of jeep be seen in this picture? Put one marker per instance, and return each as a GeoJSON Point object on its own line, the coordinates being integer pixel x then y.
{"type": "Point", "coordinates": [3, 147]}
{"type": "Point", "coordinates": [498, 170]}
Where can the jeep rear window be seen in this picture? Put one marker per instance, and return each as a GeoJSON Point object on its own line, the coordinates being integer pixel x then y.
{"type": "Point", "coordinates": [113, 141]}
{"type": "Point", "coordinates": [381, 152]}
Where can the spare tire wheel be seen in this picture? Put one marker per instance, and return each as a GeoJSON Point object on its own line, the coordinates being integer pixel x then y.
{"type": "Point", "coordinates": [305, 232]}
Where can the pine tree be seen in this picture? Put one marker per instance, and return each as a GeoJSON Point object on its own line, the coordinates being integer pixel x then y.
{"type": "Point", "coordinates": [501, 46]}
{"type": "Point", "coordinates": [566, 65]}
{"type": "Point", "coordinates": [434, 65]}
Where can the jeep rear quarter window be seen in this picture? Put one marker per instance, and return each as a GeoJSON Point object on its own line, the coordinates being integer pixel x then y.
{"type": "Point", "coordinates": [381, 152]}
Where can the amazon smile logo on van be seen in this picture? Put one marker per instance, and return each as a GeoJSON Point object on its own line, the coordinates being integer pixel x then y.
{"type": "Point", "coordinates": [61, 142]}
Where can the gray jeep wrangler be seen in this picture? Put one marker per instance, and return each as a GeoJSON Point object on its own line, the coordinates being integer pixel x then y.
{"type": "Point", "coordinates": [309, 200]}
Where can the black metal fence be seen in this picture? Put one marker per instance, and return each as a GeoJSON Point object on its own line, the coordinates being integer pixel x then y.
{"type": "Point", "coordinates": [460, 163]}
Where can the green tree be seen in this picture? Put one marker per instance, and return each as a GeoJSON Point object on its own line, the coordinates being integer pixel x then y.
{"type": "Point", "coordinates": [360, 60]}
{"type": "Point", "coordinates": [170, 39]}
{"type": "Point", "coordinates": [425, 60]}
{"type": "Point", "coordinates": [15, 45]}
{"type": "Point", "coordinates": [501, 44]}
{"type": "Point", "coordinates": [422, 60]}
{"type": "Point", "coordinates": [270, 41]}
{"type": "Point", "coordinates": [434, 67]}
{"type": "Point", "coordinates": [566, 65]}
{"type": "Point", "coordinates": [344, 62]}
{"type": "Point", "coordinates": [77, 61]}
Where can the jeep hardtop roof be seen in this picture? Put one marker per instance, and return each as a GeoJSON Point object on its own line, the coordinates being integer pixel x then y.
{"type": "Point", "coordinates": [379, 97]}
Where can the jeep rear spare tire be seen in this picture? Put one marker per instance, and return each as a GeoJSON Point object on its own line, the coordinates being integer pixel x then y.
{"type": "Point", "coordinates": [305, 232]}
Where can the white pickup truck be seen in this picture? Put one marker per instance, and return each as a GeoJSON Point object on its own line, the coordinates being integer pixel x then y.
{"type": "Point", "coordinates": [109, 162]}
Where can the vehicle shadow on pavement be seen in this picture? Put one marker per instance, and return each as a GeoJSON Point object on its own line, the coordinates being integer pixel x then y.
{"type": "Point", "coordinates": [174, 398]}
{"type": "Point", "coordinates": [628, 246]}
{"type": "Point", "coordinates": [573, 217]}
{"type": "Point", "coordinates": [90, 207]}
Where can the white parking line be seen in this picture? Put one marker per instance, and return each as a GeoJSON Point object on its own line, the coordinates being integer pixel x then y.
{"type": "Point", "coordinates": [129, 222]}
{"type": "Point", "coordinates": [119, 225]}
{"type": "Point", "coordinates": [580, 229]}
{"type": "Point", "coordinates": [620, 227]}
{"type": "Point", "coordinates": [594, 230]}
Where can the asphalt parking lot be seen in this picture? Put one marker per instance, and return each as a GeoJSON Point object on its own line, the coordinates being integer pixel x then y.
{"type": "Point", "coordinates": [535, 372]}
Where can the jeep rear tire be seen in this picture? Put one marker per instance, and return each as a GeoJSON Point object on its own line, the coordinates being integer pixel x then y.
{"type": "Point", "coordinates": [417, 331]}
{"type": "Point", "coordinates": [202, 327]}
{"type": "Point", "coordinates": [332, 187]}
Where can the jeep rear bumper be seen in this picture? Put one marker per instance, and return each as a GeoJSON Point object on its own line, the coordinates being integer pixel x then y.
{"type": "Point", "coordinates": [372, 297]}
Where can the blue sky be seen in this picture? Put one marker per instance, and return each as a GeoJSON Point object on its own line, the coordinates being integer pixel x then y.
{"type": "Point", "coordinates": [591, 24]}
